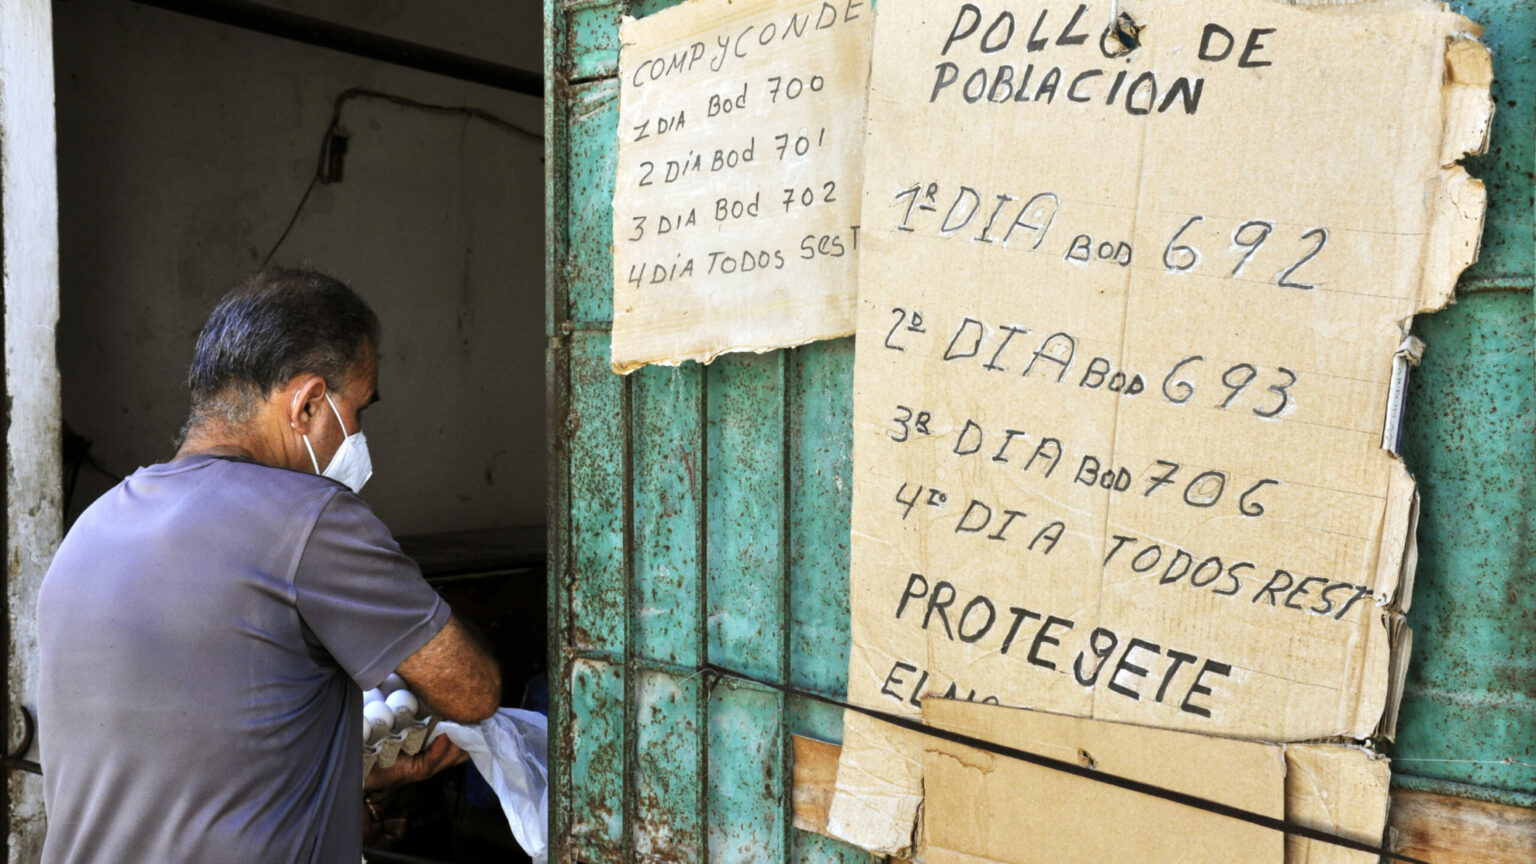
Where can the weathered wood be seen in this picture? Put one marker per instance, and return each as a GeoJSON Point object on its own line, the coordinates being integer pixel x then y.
{"type": "Point", "coordinates": [1449, 830]}
{"type": "Point", "coordinates": [815, 774]}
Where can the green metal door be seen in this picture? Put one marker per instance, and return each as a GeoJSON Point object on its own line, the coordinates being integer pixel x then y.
{"type": "Point", "coordinates": [1468, 723]}
{"type": "Point", "coordinates": [700, 514]}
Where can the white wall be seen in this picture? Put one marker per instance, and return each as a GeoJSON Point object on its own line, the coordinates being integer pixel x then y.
{"type": "Point", "coordinates": [184, 147]}
{"type": "Point", "coordinates": [29, 250]}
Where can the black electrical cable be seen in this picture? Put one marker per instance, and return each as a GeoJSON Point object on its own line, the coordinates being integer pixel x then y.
{"type": "Point", "coordinates": [457, 110]}
{"type": "Point", "coordinates": [333, 129]}
{"type": "Point", "coordinates": [1284, 826]}
{"type": "Point", "coordinates": [76, 455]}
{"type": "Point", "coordinates": [304, 199]}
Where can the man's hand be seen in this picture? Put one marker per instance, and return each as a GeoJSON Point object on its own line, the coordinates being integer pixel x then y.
{"type": "Point", "coordinates": [440, 755]}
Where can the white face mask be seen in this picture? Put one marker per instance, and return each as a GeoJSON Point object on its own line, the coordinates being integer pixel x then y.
{"type": "Point", "coordinates": [351, 464]}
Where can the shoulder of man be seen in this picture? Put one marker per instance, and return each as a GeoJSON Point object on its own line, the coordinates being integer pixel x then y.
{"type": "Point", "coordinates": [244, 489]}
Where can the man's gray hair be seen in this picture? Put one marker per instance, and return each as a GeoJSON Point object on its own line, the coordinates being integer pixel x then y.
{"type": "Point", "coordinates": [275, 325]}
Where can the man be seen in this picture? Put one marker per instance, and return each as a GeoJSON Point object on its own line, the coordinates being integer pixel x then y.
{"type": "Point", "coordinates": [207, 627]}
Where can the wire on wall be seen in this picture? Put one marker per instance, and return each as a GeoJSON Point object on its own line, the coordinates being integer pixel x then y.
{"type": "Point", "coordinates": [333, 145]}
{"type": "Point", "coordinates": [77, 455]}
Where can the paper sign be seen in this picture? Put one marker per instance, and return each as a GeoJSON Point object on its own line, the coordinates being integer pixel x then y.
{"type": "Point", "coordinates": [1128, 312]}
{"type": "Point", "coordinates": [987, 808]}
{"type": "Point", "coordinates": [735, 212]}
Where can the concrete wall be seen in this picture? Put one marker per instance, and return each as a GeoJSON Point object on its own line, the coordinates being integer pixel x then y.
{"type": "Point", "coordinates": [29, 252]}
{"type": "Point", "coordinates": [184, 147]}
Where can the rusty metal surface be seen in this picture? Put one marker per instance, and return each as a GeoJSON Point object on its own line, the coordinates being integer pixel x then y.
{"type": "Point", "coordinates": [592, 111]}
{"type": "Point", "coordinates": [1469, 712]}
{"type": "Point", "coordinates": [592, 37]}
{"type": "Point", "coordinates": [820, 506]}
{"type": "Point", "coordinates": [1504, 263]}
{"type": "Point", "coordinates": [702, 514]}
{"type": "Point", "coordinates": [698, 514]}
{"type": "Point", "coordinates": [1468, 722]}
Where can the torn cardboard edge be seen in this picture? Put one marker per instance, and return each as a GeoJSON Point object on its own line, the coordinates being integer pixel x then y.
{"type": "Point", "coordinates": [1396, 537]}
{"type": "Point", "coordinates": [1451, 245]}
{"type": "Point", "coordinates": [708, 356]}
{"type": "Point", "coordinates": [1397, 556]}
{"type": "Point", "coordinates": [1400, 547]}
{"type": "Point", "coordinates": [1401, 636]}
{"type": "Point", "coordinates": [1468, 100]}
{"type": "Point", "coordinates": [1448, 229]}
{"type": "Point", "coordinates": [1339, 809]}
{"type": "Point", "coordinates": [1419, 823]}
{"type": "Point", "coordinates": [861, 800]}
{"type": "Point", "coordinates": [1454, 238]}
{"type": "Point", "coordinates": [1339, 789]}
{"type": "Point", "coordinates": [756, 314]}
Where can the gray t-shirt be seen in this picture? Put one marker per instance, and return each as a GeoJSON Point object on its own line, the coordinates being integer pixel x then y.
{"type": "Point", "coordinates": [203, 635]}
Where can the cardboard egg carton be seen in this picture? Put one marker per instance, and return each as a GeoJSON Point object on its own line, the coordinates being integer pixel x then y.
{"type": "Point", "coordinates": [390, 724]}
{"type": "Point", "coordinates": [408, 740]}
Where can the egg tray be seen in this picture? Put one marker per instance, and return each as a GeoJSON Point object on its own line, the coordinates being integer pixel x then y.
{"type": "Point", "coordinates": [410, 741]}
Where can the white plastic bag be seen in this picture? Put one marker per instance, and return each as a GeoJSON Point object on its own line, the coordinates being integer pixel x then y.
{"type": "Point", "coordinates": [509, 749]}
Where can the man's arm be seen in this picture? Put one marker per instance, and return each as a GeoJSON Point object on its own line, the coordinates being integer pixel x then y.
{"type": "Point", "coordinates": [454, 675]}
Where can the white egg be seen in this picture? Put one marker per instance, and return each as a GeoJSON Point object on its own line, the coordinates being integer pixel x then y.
{"type": "Point", "coordinates": [380, 720]}
{"type": "Point", "coordinates": [374, 695]}
{"type": "Point", "coordinates": [391, 684]}
{"type": "Point", "coordinates": [405, 705]}
{"type": "Point", "coordinates": [367, 727]}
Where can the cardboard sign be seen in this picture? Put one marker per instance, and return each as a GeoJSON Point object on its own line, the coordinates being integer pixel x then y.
{"type": "Point", "coordinates": [735, 212]}
{"type": "Point", "coordinates": [1339, 789]}
{"type": "Point", "coordinates": [1129, 304]}
{"type": "Point", "coordinates": [986, 808]}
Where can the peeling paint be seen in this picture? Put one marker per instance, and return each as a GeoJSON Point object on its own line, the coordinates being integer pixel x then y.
{"type": "Point", "coordinates": [29, 194]}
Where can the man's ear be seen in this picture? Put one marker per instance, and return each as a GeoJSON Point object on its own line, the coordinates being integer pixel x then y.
{"type": "Point", "coordinates": [306, 403]}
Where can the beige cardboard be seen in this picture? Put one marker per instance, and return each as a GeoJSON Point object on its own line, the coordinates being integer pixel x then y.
{"type": "Point", "coordinates": [880, 789]}
{"type": "Point", "coordinates": [736, 200]}
{"type": "Point", "coordinates": [982, 807]}
{"type": "Point", "coordinates": [986, 342]}
{"type": "Point", "coordinates": [1338, 789]}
